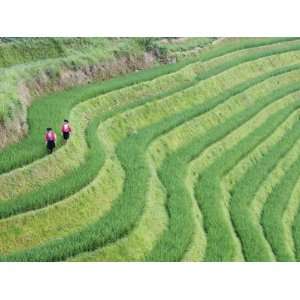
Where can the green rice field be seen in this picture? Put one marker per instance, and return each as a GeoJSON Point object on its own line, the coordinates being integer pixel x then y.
{"type": "Point", "coordinates": [194, 160]}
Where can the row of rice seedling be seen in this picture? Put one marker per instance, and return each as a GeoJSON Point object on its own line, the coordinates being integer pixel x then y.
{"type": "Point", "coordinates": [292, 215]}
{"type": "Point", "coordinates": [178, 162]}
{"type": "Point", "coordinates": [276, 204]}
{"type": "Point", "coordinates": [291, 220]}
{"type": "Point", "coordinates": [296, 235]}
{"type": "Point", "coordinates": [288, 218]}
{"type": "Point", "coordinates": [50, 188]}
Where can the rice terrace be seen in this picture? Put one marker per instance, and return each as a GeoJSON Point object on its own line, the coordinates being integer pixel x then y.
{"type": "Point", "coordinates": [178, 149]}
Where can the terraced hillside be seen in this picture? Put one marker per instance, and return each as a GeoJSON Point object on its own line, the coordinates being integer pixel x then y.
{"type": "Point", "coordinates": [194, 161]}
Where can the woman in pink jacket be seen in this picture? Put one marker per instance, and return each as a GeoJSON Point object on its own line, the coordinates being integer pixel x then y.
{"type": "Point", "coordinates": [50, 139]}
{"type": "Point", "coordinates": [66, 130]}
